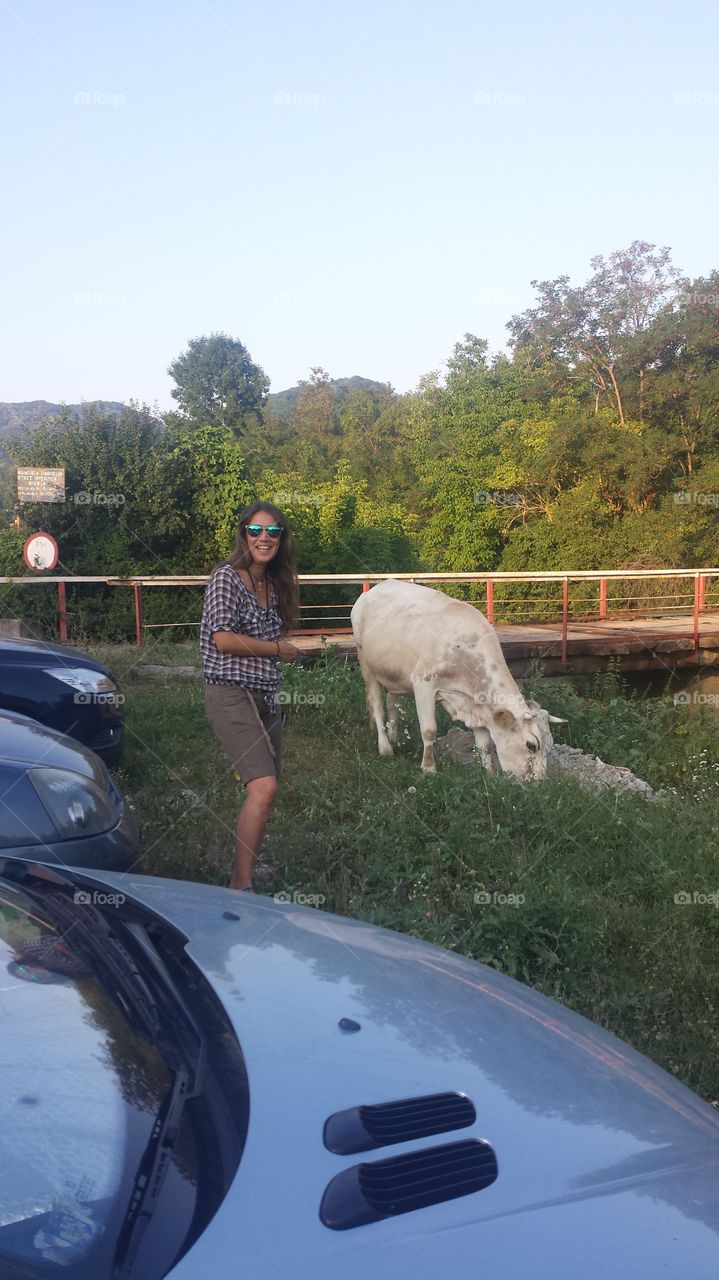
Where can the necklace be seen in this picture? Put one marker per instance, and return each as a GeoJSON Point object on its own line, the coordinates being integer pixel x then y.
{"type": "Point", "coordinates": [255, 585]}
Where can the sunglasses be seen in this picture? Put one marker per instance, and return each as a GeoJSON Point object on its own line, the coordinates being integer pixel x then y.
{"type": "Point", "coordinates": [254, 530]}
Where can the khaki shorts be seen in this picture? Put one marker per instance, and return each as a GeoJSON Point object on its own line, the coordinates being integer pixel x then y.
{"type": "Point", "coordinates": [248, 730]}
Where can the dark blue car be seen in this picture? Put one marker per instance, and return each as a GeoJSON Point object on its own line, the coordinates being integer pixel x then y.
{"type": "Point", "coordinates": [65, 689]}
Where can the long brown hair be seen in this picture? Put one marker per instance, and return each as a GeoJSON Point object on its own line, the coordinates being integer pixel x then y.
{"type": "Point", "coordinates": [281, 568]}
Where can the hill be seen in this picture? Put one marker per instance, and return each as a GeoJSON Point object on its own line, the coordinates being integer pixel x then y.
{"type": "Point", "coordinates": [27, 413]}
{"type": "Point", "coordinates": [282, 402]}
{"type": "Point", "coordinates": [14, 417]}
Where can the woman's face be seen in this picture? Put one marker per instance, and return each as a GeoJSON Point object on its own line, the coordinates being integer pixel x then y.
{"type": "Point", "coordinates": [262, 547]}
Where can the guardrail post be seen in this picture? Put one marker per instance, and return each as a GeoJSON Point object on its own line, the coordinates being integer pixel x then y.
{"type": "Point", "coordinates": [602, 597]}
{"type": "Point", "coordinates": [62, 612]}
{"type": "Point", "coordinates": [696, 613]}
{"type": "Point", "coordinates": [565, 618]}
{"type": "Point", "coordinates": [490, 600]}
{"type": "Point", "coordinates": [365, 586]}
{"type": "Point", "coordinates": [138, 613]}
{"type": "Point", "coordinates": [702, 591]}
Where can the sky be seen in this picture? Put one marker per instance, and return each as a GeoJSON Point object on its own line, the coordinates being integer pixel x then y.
{"type": "Point", "coordinates": [353, 186]}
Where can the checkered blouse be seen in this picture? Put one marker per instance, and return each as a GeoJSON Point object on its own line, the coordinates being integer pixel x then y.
{"type": "Point", "coordinates": [230, 606]}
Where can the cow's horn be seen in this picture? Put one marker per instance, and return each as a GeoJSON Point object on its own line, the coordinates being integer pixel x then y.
{"type": "Point", "coordinates": [557, 720]}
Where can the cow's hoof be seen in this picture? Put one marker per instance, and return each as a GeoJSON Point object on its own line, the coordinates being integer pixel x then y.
{"type": "Point", "coordinates": [429, 768]}
{"type": "Point", "coordinates": [385, 749]}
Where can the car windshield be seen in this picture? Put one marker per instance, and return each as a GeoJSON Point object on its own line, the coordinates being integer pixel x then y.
{"type": "Point", "coordinates": [81, 1092]}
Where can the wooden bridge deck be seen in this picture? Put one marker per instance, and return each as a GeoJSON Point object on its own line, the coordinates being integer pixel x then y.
{"type": "Point", "coordinates": [640, 644]}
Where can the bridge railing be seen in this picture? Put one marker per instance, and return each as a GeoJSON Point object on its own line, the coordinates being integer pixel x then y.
{"type": "Point", "coordinates": [492, 598]}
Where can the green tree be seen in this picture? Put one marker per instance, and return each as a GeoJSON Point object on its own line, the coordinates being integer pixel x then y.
{"type": "Point", "coordinates": [469, 485]}
{"type": "Point", "coordinates": [587, 329]}
{"type": "Point", "coordinates": [125, 511]}
{"type": "Point", "coordinates": [215, 487]}
{"type": "Point", "coordinates": [218, 383]}
{"type": "Point", "coordinates": [120, 515]}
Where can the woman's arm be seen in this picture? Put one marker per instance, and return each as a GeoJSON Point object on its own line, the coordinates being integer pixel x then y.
{"type": "Point", "coordinates": [234, 642]}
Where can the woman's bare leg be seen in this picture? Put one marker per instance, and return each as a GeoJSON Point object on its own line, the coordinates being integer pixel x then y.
{"type": "Point", "coordinates": [251, 824]}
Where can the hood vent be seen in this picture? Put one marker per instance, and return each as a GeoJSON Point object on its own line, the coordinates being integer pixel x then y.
{"type": "Point", "coordinates": [367, 1128]}
{"type": "Point", "coordinates": [385, 1188]}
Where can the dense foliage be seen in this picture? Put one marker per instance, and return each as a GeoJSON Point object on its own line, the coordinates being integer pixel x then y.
{"type": "Point", "coordinates": [593, 443]}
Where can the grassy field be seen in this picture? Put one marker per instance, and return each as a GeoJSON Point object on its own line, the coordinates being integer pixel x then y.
{"type": "Point", "coordinates": [585, 908]}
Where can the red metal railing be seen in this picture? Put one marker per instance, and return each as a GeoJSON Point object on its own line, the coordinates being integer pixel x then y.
{"type": "Point", "coordinates": [692, 603]}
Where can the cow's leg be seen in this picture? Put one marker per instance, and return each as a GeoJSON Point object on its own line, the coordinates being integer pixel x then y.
{"type": "Point", "coordinates": [373, 689]}
{"type": "Point", "coordinates": [392, 718]}
{"type": "Point", "coordinates": [486, 750]}
{"type": "Point", "coordinates": [424, 696]}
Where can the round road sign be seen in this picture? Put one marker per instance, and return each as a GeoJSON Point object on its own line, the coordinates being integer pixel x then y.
{"type": "Point", "coordinates": [40, 551]}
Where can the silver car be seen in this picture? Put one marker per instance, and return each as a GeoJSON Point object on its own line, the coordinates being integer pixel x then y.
{"type": "Point", "coordinates": [201, 1083]}
{"type": "Point", "coordinates": [59, 802]}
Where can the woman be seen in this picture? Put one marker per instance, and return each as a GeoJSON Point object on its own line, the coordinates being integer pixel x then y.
{"type": "Point", "coordinates": [48, 960]}
{"type": "Point", "coordinates": [250, 602]}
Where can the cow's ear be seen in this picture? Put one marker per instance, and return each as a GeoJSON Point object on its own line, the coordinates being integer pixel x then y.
{"type": "Point", "coordinates": [505, 718]}
{"type": "Point", "coordinates": [533, 706]}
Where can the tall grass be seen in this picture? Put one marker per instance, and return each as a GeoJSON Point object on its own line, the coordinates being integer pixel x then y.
{"type": "Point", "coordinates": [582, 886]}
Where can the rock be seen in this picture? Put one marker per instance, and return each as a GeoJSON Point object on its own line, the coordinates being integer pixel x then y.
{"type": "Point", "coordinates": [588, 771]}
{"type": "Point", "coordinates": [19, 630]}
{"type": "Point", "coordinates": [458, 744]}
{"type": "Point", "coordinates": [592, 772]}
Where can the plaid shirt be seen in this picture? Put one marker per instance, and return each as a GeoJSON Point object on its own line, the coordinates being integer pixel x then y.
{"type": "Point", "coordinates": [230, 606]}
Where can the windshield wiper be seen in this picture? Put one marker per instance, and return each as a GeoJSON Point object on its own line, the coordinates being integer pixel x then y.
{"type": "Point", "coordinates": [85, 929]}
{"type": "Point", "coordinates": [151, 1172]}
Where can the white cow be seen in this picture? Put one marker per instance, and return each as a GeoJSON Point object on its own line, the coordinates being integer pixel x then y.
{"type": "Point", "coordinates": [411, 639]}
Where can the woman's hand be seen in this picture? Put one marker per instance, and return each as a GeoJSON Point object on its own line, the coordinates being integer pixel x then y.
{"type": "Point", "coordinates": [286, 651]}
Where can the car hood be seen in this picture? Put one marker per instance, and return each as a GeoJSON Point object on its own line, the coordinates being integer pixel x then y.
{"type": "Point", "coordinates": [40, 653]}
{"type": "Point", "coordinates": [607, 1166]}
{"type": "Point", "coordinates": [26, 741]}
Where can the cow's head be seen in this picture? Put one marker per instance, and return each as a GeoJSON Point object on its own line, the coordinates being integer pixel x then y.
{"type": "Point", "coordinates": [522, 738]}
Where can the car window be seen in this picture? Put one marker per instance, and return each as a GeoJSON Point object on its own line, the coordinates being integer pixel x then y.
{"type": "Point", "coordinates": [81, 1090]}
